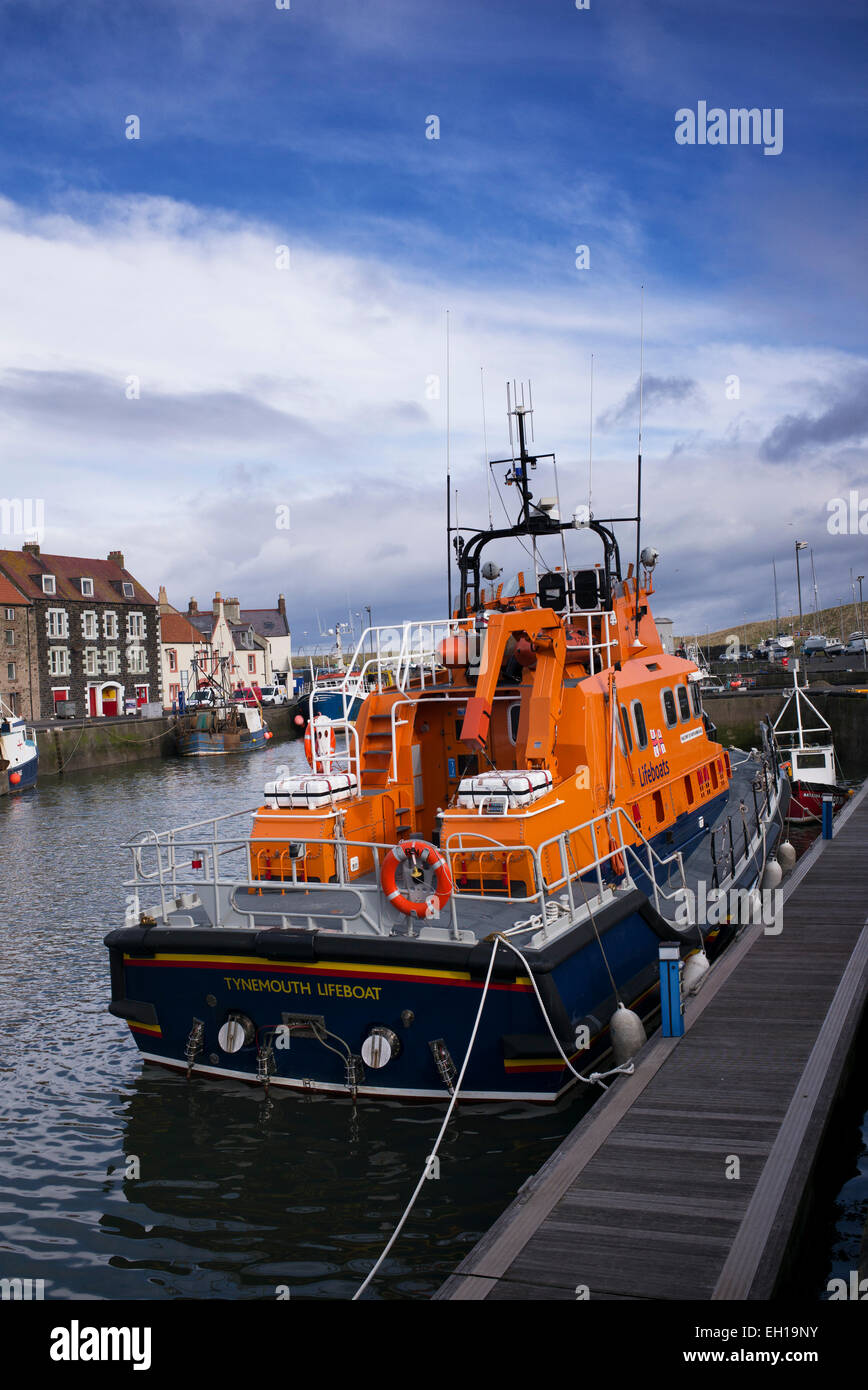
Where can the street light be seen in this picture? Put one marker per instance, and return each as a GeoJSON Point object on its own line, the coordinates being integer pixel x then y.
{"type": "Point", "coordinates": [800, 545]}
{"type": "Point", "coordinates": [859, 578]}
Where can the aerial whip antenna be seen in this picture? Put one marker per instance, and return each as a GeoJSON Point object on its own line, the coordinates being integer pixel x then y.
{"type": "Point", "coordinates": [448, 486]}
{"type": "Point", "coordinates": [591, 438]}
{"type": "Point", "coordinates": [639, 454]}
{"type": "Point", "coordinates": [485, 447]}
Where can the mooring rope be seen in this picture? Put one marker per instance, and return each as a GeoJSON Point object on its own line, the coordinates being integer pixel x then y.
{"type": "Point", "coordinates": [433, 1154]}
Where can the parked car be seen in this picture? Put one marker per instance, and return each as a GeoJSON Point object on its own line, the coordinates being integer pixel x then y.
{"type": "Point", "coordinates": [856, 646]}
{"type": "Point", "coordinates": [273, 695]}
{"type": "Point", "coordinates": [204, 698]}
{"type": "Point", "coordinates": [248, 695]}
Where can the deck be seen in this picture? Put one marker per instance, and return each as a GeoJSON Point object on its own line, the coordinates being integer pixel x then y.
{"type": "Point", "coordinates": [637, 1202]}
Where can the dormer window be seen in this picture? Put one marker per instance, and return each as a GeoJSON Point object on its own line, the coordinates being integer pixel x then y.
{"type": "Point", "coordinates": [87, 588]}
{"type": "Point", "coordinates": [128, 590]}
{"type": "Point", "coordinates": [48, 584]}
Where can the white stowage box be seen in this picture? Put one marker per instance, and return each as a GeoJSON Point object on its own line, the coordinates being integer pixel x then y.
{"type": "Point", "coordinates": [520, 788]}
{"type": "Point", "coordinates": [311, 790]}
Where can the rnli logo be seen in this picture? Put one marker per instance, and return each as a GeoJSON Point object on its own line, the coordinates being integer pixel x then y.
{"type": "Point", "coordinates": [658, 747]}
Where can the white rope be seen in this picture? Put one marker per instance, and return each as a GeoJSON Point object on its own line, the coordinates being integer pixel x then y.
{"type": "Point", "coordinates": [400, 1226]}
{"type": "Point", "coordinates": [597, 1077]}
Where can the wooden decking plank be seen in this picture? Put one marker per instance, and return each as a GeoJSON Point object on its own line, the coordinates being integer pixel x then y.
{"type": "Point", "coordinates": [645, 1171]}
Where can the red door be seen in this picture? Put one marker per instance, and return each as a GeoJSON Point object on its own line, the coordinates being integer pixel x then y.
{"type": "Point", "coordinates": [92, 699]}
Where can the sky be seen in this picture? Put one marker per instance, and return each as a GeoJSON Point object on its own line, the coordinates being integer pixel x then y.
{"type": "Point", "coordinates": [223, 341]}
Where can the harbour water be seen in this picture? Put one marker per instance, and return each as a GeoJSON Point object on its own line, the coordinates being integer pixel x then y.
{"type": "Point", "coordinates": [123, 1181]}
{"type": "Point", "coordinates": [236, 1196]}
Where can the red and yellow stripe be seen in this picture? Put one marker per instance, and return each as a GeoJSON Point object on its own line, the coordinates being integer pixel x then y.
{"type": "Point", "coordinates": [385, 974]}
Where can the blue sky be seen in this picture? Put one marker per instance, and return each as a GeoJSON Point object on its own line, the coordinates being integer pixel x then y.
{"type": "Point", "coordinates": [263, 127]}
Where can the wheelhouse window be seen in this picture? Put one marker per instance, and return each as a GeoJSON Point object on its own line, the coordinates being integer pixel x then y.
{"type": "Point", "coordinates": [639, 724]}
{"type": "Point", "coordinates": [696, 700]}
{"type": "Point", "coordinates": [669, 711]}
{"type": "Point", "coordinates": [513, 716]}
{"type": "Point", "coordinates": [625, 727]}
{"type": "Point", "coordinates": [683, 703]}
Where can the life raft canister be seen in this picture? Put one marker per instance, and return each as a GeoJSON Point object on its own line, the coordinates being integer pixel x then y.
{"type": "Point", "coordinates": [320, 733]}
{"type": "Point", "coordinates": [432, 904]}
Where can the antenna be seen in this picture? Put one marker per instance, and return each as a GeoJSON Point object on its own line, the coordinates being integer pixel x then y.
{"type": "Point", "coordinates": [639, 455]}
{"type": "Point", "coordinates": [448, 486]}
{"type": "Point", "coordinates": [530, 405]}
{"type": "Point", "coordinates": [591, 437]}
{"type": "Point", "coordinates": [485, 447]}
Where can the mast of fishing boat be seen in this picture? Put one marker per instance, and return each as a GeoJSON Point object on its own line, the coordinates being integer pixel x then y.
{"type": "Point", "coordinates": [639, 454]}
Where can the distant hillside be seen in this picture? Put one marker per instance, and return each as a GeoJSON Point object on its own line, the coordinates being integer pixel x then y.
{"type": "Point", "coordinates": [831, 622]}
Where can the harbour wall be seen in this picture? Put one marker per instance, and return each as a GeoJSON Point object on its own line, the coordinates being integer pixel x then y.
{"type": "Point", "coordinates": [95, 743]}
{"type": "Point", "coordinates": [737, 719]}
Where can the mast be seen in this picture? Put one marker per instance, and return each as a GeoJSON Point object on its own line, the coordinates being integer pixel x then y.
{"type": "Point", "coordinates": [777, 619]}
{"type": "Point", "coordinates": [448, 487]}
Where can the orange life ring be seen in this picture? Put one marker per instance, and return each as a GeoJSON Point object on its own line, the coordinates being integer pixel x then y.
{"type": "Point", "coordinates": [325, 742]}
{"type": "Point", "coordinates": [426, 907]}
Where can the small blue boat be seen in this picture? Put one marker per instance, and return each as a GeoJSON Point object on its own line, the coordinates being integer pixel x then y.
{"type": "Point", "coordinates": [19, 756]}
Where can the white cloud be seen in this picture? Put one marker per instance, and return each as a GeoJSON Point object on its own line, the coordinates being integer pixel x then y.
{"type": "Point", "coordinates": [308, 386]}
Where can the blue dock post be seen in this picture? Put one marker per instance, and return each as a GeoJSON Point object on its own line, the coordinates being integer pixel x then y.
{"type": "Point", "coordinates": [827, 815]}
{"type": "Point", "coordinates": [672, 1019]}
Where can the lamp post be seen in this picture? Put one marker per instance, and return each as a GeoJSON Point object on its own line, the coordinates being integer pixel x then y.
{"type": "Point", "coordinates": [800, 545]}
{"type": "Point", "coordinates": [859, 578]}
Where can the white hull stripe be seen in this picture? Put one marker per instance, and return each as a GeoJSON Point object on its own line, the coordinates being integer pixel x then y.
{"type": "Point", "coordinates": [300, 1084]}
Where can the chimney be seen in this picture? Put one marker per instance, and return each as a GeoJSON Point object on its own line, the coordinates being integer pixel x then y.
{"type": "Point", "coordinates": [192, 606]}
{"type": "Point", "coordinates": [281, 605]}
{"type": "Point", "coordinates": [116, 557]}
{"type": "Point", "coordinates": [162, 597]}
{"type": "Point", "coordinates": [31, 547]}
{"type": "Point", "coordinates": [217, 605]}
{"type": "Point", "coordinates": [232, 607]}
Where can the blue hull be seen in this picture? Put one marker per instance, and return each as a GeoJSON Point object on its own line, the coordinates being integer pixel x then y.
{"type": "Point", "coordinates": [202, 744]}
{"type": "Point", "coordinates": [27, 774]}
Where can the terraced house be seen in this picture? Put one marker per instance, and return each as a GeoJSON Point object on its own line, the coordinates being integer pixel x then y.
{"type": "Point", "coordinates": [96, 631]}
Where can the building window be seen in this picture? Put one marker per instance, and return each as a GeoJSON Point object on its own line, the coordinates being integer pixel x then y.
{"type": "Point", "coordinates": [10, 637]}
{"type": "Point", "coordinates": [174, 692]}
{"type": "Point", "coordinates": [10, 614]}
{"type": "Point", "coordinates": [57, 622]}
{"type": "Point", "coordinates": [89, 628]}
{"type": "Point", "coordinates": [128, 590]}
{"type": "Point", "coordinates": [137, 659]}
{"type": "Point", "coordinates": [91, 661]}
{"type": "Point", "coordinates": [112, 661]}
{"type": "Point", "coordinates": [58, 661]}
{"type": "Point", "coordinates": [110, 626]}
{"type": "Point", "coordinates": [87, 588]}
{"type": "Point", "coordinates": [251, 665]}
{"type": "Point", "coordinates": [48, 584]}
{"type": "Point", "coordinates": [135, 624]}
{"type": "Point", "coordinates": [173, 658]}
{"type": "Point", "coordinates": [10, 671]}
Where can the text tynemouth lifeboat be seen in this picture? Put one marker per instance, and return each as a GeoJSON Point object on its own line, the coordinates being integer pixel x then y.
{"type": "Point", "coordinates": [475, 876]}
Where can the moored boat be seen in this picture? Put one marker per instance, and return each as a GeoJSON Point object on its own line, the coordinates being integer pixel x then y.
{"type": "Point", "coordinates": [807, 750]}
{"type": "Point", "coordinates": [476, 874]}
{"type": "Point", "coordinates": [19, 755]}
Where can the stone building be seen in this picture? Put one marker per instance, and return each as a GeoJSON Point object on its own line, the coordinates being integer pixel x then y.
{"type": "Point", "coordinates": [96, 630]}
{"type": "Point", "coordinates": [19, 670]}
